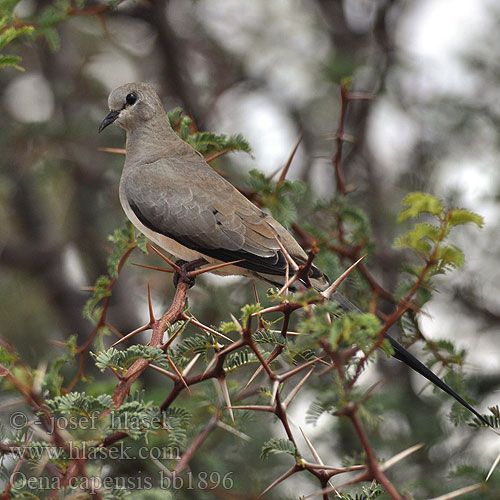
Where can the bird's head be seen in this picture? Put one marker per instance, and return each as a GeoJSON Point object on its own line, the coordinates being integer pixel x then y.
{"type": "Point", "coordinates": [131, 105]}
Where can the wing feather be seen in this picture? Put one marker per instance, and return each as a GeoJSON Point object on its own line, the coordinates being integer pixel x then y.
{"type": "Point", "coordinates": [206, 214]}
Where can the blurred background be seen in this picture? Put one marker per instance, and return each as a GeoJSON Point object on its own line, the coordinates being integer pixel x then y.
{"type": "Point", "coordinates": [270, 70]}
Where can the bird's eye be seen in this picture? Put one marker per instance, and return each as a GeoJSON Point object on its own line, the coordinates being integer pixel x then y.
{"type": "Point", "coordinates": [131, 98]}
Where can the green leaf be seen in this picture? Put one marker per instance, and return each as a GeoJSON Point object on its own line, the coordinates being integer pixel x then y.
{"type": "Point", "coordinates": [277, 446]}
{"type": "Point", "coordinates": [350, 328]}
{"type": "Point", "coordinates": [6, 356]}
{"type": "Point", "coordinates": [53, 379]}
{"type": "Point", "coordinates": [206, 143]}
{"type": "Point", "coordinates": [361, 329]}
{"type": "Point", "coordinates": [142, 243]}
{"type": "Point", "coordinates": [174, 117]}
{"type": "Point", "coordinates": [247, 311]}
{"type": "Point", "coordinates": [418, 203]}
{"type": "Point", "coordinates": [265, 337]}
{"type": "Point", "coordinates": [184, 127]}
{"type": "Point", "coordinates": [8, 35]}
{"type": "Point", "coordinates": [238, 359]}
{"type": "Point", "coordinates": [101, 290]}
{"type": "Point", "coordinates": [51, 36]}
{"type": "Point", "coordinates": [121, 360]}
{"type": "Point", "coordinates": [420, 238]}
{"type": "Point", "coordinates": [197, 344]}
{"type": "Point", "coordinates": [11, 33]}
{"type": "Point", "coordinates": [450, 256]}
{"type": "Point", "coordinates": [53, 14]}
{"type": "Point", "coordinates": [123, 240]}
{"type": "Point", "coordinates": [180, 414]}
{"type": "Point", "coordinates": [367, 493]}
{"type": "Point", "coordinates": [137, 416]}
{"type": "Point", "coordinates": [79, 403]}
{"type": "Point", "coordinates": [228, 327]}
{"type": "Point", "coordinates": [280, 199]}
{"type": "Point", "coordinates": [209, 143]}
{"type": "Point", "coordinates": [493, 419]}
{"type": "Point", "coordinates": [8, 6]}
{"type": "Point", "coordinates": [327, 401]}
{"type": "Point", "coordinates": [461, 216]}
{"type": "Point", "coordinates": [10, 61]}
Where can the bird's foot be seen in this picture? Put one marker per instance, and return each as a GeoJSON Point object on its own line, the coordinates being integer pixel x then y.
{"type": "Point", "coordinates": [185, 268]}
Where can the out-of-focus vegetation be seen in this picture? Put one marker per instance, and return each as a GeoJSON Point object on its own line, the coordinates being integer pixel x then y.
{"type": "Point", "coordinates": [377, 121]}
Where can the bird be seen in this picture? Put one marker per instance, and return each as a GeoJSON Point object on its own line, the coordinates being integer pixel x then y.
{"type": "Point", "coordinates": [172, 196]}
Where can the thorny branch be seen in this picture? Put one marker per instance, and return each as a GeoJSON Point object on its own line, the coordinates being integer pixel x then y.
{"type": "Point", "coordinates": [280, 381]}
{"type": "Point", "coordinates": [215, 370]}
{"type": "Point", "coordinates": [101, 323]}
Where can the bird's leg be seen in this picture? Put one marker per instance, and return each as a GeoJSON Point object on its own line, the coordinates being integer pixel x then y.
{"type": "Point", "coordinates": [185, 268]}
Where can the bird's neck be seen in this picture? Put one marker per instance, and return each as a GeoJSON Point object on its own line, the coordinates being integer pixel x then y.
{"type": "Point", "coordinates": [149, 142]}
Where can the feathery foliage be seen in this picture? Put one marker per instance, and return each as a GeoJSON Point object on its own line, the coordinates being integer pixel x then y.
{"type": "Point", "coordinates": [120, 361]}
{"type": "Point", "coordinates": [227, 385]}
{"type": "Point", "coordinates": [208, 144]}
{"type": "Point", "coordinates": [278, 446]}
{"type": "Point", "coordinates": [280, 198]}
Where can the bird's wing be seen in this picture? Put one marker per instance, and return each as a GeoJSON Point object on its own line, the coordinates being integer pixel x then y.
{"type": "Point", "coordinates": [202, 211]}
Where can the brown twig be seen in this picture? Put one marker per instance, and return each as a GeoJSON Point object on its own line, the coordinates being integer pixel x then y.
{"type": "Point", "coordinates": [403, 306]}
{"type": "Point", "coordinates": [339, 139]}
{"type": "Point", "coordinates": [159, 327]}
{"type": "Point", "coordinates": [289, 161]}
{"type": "Point", "coordinates": [101, 322]}
{"type": "Point", "coordinates": [373, 466]}
{"type": "Point", "coordinates": [196, 443]}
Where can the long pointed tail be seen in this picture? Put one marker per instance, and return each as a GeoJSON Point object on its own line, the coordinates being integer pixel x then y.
{"type": "Point", "coordinates": [408, 359]}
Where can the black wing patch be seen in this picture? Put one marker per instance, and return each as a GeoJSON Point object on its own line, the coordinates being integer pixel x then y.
{"type": "Point", "coordinates": [274, 265]}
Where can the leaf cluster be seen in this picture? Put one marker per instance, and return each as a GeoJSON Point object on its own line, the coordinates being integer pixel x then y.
{"type": "Point", "coordinates": [9, 32]}
{"type": "Point", "coordinates": [280, 198]}
{"type": "Point", "coordinates": [119, 361]}
{"type": "Point", "coordinates": [344, 339]}
{"type": "Point", "coordinates": [328, 322]}
{"type": "Point", "coordinates": [367, 493]}
{"type": "Point", "coordinates": [199, 343]}
{"type": "Point", "coordinates": [427, 239]}
{"type": "Point", "coordinates": [124, 239]}
{"type": "Point", "coordinates": [209, 144]}
{"type": "Point", "coordinates": [42, 25]}
{"type": "Point", "coordinates": [279, 446]}
{"type": "Point", "coordinates": [79, 403]}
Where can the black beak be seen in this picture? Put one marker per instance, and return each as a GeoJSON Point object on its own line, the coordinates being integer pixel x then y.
{"type": "Point", "coordinates": [110, 118]}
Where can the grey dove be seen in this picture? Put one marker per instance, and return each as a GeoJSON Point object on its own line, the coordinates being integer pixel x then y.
{"type": "Point", "coordinates": [179, 202]}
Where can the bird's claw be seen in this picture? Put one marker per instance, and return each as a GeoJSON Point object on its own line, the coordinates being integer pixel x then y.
{"type": "Point", "coordinates": [185, 267]}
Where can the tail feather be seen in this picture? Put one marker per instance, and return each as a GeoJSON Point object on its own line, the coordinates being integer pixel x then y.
{"type": "Point", "coordinates": [408, 359]}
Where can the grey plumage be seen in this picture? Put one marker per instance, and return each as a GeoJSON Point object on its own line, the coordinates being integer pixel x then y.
{"type": "Point", "coordinates": [179, 202]}
{"type": "Point", "coordinates": [171, 195]}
